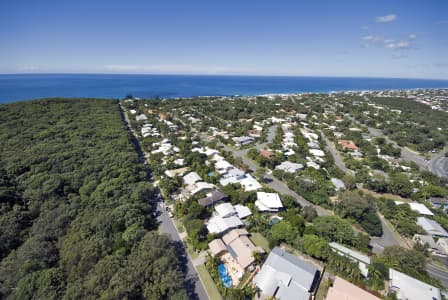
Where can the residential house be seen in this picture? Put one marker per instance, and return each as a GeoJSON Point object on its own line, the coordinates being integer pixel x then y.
{"type": "Point", "coordinates": [421, 209]}
{"type": "Point", "coordinates": [338, 183]}
{"type": "Point", "coordinates": [432, 227]}
{"type": "Point", "coordinates": [442, 245]}
{"type": "Point", "coordinates": [236, 251]}
{"type": "Point", "coordinates": [267, 154]}
{"type": "Point", "coordinates": [268, 202]}
{"type": "Point", "coordinates": [289, 167]}
{"type": "Point", "coordinates": [141, 117]}
{"type": "Point", "coordinates": [242, 140]}
{"type": "Point", "coordinates": [343, 290]}
{"type": "Point", "coordinates": [362, 259]}
{"type": "Point", "coordinates": [425, 240]}
{"type": "Point", "coordinates": [227, 217]}
{"type": "Point", "coordinates": [348, 145]}
{"type": "Point", "coordinates": [438, 202]}
{"type": "Point", "coordinates": [212, 198]}
{"type": "Point", "coordinates": [406, 287]}
{"type": "Point", "coordinates": [286, 277]}
{"type": "Point", "coordinates": [191, 178]}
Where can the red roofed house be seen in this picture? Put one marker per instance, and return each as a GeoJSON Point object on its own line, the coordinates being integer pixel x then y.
{"type": "Point", "coordinates": [267, 153]}
{"type": "Point", "coordinates": [348, 144]}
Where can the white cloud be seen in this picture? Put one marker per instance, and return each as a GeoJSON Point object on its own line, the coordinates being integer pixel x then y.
{"type": "Point", "coordinates": [399, 56]}
{"type": "Point", "coordinates": [386, 18]}
{"type": "Point", "coordinates": [373, 38]}
{"type": "Point", "coordinates": [412, 36]}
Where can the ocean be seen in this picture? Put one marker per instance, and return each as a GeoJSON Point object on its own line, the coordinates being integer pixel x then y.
{"type": "Point", "coordinates": [33, 86]}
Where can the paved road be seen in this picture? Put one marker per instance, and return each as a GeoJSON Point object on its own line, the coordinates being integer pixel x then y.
{"type": "Point", "coordinates": [439, 164]}
{"type": "Point", "coordinates": [437, 273]}
{"type": "Point", "coordinates": [276, 184]}
{"type": "Point", "coordinates": [270, 137]}
{"type": "Point", "coordinates": [337, 159]}
{"type": "Point", "coordinates": [386, 240]}
{"type": "Point", "coordinates": [166, 226]}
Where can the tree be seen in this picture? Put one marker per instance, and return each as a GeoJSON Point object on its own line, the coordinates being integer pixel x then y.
{"type": "Point", "coordinates": [316, 246]}
{"type": "Point", "coordinates": [334, 228]}
{"type": "Point", "coordinates": [309, 213]}
{"type": "Point", "coordinates": [349, 181]}
{"type": "Point", "coordinates": [283, 231]}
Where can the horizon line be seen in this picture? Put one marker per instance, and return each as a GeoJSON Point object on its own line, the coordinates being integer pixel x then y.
{"type": "Point", "coordinates": [224, 75]}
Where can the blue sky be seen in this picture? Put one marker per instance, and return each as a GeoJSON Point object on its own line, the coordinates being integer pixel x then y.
{"type": "Point", "coordinates": [381, 38]}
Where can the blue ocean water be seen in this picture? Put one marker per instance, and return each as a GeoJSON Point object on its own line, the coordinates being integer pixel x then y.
{"type": "Point", "coordinates": [33, 86]}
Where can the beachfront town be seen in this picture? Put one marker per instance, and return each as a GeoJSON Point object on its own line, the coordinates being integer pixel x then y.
{"type": "Point", "coordinates": [333, 196]}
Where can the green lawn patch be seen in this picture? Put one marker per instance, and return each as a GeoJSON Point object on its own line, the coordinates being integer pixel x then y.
{"type": "Point", "coordinates": [209, 284]}
{"type": "Point", "coordinates": [260, 240]}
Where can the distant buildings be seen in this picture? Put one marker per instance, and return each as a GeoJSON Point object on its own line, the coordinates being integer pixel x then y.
{"type": "Point", "coordinates": [408, 288]}
{"type": "Point", "coordinates": [286, 277]}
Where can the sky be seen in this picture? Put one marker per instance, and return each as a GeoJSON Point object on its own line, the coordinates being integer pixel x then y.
{"type": "Point", "coordinates": [368, 38]}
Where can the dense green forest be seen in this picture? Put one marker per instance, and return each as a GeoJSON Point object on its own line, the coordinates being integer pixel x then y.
{"type": "Point", "coordinates": [75, 207]}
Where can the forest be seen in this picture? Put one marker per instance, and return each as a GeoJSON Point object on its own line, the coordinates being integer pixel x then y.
{"type": "Point", "coordinates": [75, 207]}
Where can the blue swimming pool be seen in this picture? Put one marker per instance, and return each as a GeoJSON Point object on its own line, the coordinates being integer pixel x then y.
{"type": "Point", "coordinates": [225, 278]}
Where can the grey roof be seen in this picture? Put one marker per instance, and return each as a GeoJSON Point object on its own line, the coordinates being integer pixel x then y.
{"type": "Point", "coordinates": [215, 196]}
{"type": "Point", "coordinates": [353, 254]}
{"type": "Point", "coordinates": [437, 200]}
{"type": "Point", "coordinates": [432, 227]}
{"type": "Point", "coordinates": [409, 288]}
{"type": "Point", "coordinates": [285, 276]}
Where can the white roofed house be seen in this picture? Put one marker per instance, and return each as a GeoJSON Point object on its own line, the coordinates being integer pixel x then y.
{"type": "Point", "coordinates": [286, 277]}
{"type": "Point", "coordinates": [289, 167]}
{"type": "Point", "coordinates": [191, 178]}
{"type": "Point", "coordinates": [432, 227]}
{"type": "Point", "coordinates": [223, 166]}
{"type": "Point", "coordinates": [225, 210]}
{"type": "Point", "coordinates": [227, 217]}
{"type": "Point", "coordinates": [406, 287]}
{"type": "Point", "coordinates": [417, 207]}
{"type": "Point", "coordinates": [362, 259]}
{"type": "Point", "coordinates": [242, 140]}
{"type": "Point", "coordinates": [268, 202]}
{"type": "Point", "coordinates": [141, 117]}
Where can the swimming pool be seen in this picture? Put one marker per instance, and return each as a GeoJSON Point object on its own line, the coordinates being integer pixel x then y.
{"type": "Point", "coordinates": [225, 278]}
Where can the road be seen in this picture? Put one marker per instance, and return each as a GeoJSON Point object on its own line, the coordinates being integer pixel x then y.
{"type": "Point", "coordinates": [337, 159]}
{"type": "Point", "coordinates": [386, 240]}
{"type": "Point", "coordinates": [276, 184]}
{"type": "Point", "coordinates": [438, 273]}
{"type": "Point", "coordinates": [167, 226]}
{"type": "Point", "coordinates": [192, 283]}
{"type": "Point", "coordinates": [439, 164]}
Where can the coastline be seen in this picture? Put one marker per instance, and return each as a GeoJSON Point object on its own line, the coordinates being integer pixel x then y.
{"type": "Point", "coordinates": [23, 87]}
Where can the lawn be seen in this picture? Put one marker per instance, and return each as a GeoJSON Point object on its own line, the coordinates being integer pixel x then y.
{"type": "Point", "coordinates": [209, 284]}
{"type": "Point", "coordinates": [323, 288]}
{"type": "Point", "coordinates": [260, 240]}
